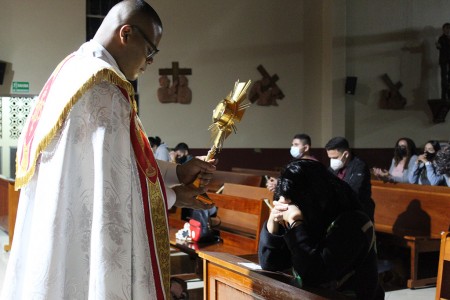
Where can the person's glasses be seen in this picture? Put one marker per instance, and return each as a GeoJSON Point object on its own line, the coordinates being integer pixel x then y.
{"type": "Point", "coordinates": [150, 52]}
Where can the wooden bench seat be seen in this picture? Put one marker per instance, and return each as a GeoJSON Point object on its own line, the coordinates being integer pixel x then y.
{"type": "Point", "coordinates": [415, 216]}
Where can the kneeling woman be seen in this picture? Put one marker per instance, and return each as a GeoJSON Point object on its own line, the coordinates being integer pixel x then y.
{"type": "Point", "coordinates": [317, 230]}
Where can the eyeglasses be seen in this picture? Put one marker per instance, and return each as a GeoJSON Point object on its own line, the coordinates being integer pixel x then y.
{"type": "Point", "coordinates": [152, 52]}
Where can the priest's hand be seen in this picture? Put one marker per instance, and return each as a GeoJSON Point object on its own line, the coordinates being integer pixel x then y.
{"type": "Point", "coordinates": [185, 197]}
{"type": "Point", "coordinates": [195, 168]}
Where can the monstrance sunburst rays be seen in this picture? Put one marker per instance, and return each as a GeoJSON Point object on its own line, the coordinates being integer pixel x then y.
{"type": "Point", "coordinates": [225, 116]}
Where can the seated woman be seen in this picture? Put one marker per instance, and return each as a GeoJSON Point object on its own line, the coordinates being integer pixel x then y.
{"type": "Point", "coordinates": [424, 170]}
{"type": "Point", "coordinates": [318, 231]}
{"type": "Point", "coordinates": [442, 162]}
{"type": "Point", "coordinates": [403, 161]}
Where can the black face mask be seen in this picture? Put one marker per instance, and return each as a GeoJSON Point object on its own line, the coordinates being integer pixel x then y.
{"type": "Point", "coordinates": [430, 156]}
{"type": "Point", "coordinates": [181, 160]}
{"type": "Point", "coordinates": [400, 151]}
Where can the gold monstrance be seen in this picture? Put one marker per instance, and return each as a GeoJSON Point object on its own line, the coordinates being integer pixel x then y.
{"type": "Point", "coordinates": [225, 115]}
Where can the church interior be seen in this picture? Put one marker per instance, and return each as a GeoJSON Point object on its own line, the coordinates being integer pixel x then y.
{"type": "Point", "coordinates": [335, 68]}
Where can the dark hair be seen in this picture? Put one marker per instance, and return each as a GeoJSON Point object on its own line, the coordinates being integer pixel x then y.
{"type": "Point", "coordinates": [436, 145]}
{"type": "Point", "coordinates": [182, 147]}
{"type": "Point", "coordinates": [154, 141]}
{"type": "Point", "coordinates": [442, 161]}
{"type": "Point", "coordinates": [445, 24]}
{"type": "Point", "coordinates": [410, 151]}
{"type": "Point", "coordinates": [319, 194]}
{"type": "Point", "coordinates": [304, 138]}
{"type": "Point", "coordinates": [338, 143]}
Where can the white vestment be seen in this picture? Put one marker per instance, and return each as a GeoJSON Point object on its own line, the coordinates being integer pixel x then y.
{"type": "Point", "coordinates": [80, 230]}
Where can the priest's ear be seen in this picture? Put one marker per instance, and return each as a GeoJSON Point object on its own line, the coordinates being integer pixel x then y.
{"type": "Point", "coordinates": [124, 33]}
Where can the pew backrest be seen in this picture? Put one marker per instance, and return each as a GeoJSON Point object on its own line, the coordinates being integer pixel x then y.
{"type": "Point", "coordinates": [411, 210]}
{"type": "Point", "coordinates": [221, 177]}
{"type": "Point", "coordinates": [235, 213]}
{"type": "Point", "coordinates": [262, 173]}
{"type": "Point", "coordinates": [241, 220]}
{"type": "Point", "coordinates": [247, 191]}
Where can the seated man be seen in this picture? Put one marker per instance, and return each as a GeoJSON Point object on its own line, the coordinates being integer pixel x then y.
{"type": "Point", "coordinates": [351, 169]}
{"type": "Point", "coordinates": [317, 230]}
{"type": "Point", "coordinates": [301, 146]}
{"type": "Point", "coordinates": [180, 154]}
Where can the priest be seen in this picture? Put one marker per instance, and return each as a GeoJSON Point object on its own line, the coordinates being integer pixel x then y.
{"type": "Point", "coordinates": [92, 217]}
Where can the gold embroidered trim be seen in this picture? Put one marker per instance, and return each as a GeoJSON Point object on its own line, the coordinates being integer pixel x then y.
{"type": "Point", "coordinates": [108, 75]}
{"type": "Point", "coordinates": [161, 235]}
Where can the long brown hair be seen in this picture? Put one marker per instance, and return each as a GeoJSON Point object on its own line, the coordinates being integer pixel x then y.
{"type": "Point", "coordinates": [410, 151]}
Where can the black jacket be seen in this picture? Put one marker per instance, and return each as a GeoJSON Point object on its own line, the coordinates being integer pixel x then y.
{"type": "Point", "coordinates": [357, 175]}
{"type": "Point", "coordinates": [346, 253]}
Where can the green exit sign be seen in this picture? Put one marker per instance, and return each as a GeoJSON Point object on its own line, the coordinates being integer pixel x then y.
{"type": "Point", "coordinates": [20, 87]}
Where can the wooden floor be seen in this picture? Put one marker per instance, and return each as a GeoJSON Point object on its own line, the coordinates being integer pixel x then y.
{"type": "Point", "coordinates": [403, 294]}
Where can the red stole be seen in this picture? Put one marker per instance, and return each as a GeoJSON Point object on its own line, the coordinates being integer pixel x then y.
{"type": "Point", "coordinates": [59, 95]}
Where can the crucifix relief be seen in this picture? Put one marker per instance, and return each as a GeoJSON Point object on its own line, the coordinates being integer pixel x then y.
{"type": "Point", "coordinates": [265, 91]}
{"type": "Point", "coordinates": [392, 99]}
{"type": "Point", "coordinates": [178, 91]}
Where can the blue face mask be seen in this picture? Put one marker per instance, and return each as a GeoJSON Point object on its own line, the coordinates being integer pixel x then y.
{"type": "Point", "coordinates": [295, 152]}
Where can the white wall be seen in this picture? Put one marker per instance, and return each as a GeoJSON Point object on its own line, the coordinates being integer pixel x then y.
{"type": "Point", "coordinates": [36, 35]}
{"type": "Point", "coordinates": [311, 45]}
{"type": "Point", "coordinates": [223, 41]}
{"type": "Point", "coordinates": [397, 38]}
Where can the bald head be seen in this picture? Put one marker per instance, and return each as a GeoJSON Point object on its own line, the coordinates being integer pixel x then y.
{"type": "Point", "coordinates": [130, 31]}
{"type": "Point", "coordinates": [128, 11]}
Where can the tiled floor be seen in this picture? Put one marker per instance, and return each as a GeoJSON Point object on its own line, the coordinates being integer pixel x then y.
{"type": "Point", "coordinates": [406, 294]}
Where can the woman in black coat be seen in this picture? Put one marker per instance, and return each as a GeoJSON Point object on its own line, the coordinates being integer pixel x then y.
{"type": "Point", "coordinates": [318, 231]}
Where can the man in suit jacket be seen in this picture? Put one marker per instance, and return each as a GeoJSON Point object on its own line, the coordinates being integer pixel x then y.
{"type": "Point", "coordinates": [351, 169]}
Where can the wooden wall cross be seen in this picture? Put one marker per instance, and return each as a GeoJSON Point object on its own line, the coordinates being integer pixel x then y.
{"type": "Point", "coordinates": [392, 99]}
{"type": "Point", "coordinates": [178, 91]}
{"type": "Point", "coordinates": [265, 91]}
{"type": "Point", "coordinates": [175, 71]}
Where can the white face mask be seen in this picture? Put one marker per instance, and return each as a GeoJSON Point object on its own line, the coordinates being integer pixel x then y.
{"type": "Point", "coordinates": [336, 163]}
{"type": "Point", "coordinates": [295, 152]}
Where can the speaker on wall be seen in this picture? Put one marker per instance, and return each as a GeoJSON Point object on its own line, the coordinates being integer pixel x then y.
{"type": "Point", "coordinates": [2, 71]}
{"type": "Point", "coordinates": [350, 85]}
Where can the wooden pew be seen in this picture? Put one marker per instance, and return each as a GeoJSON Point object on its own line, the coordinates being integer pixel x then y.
{"type": "Point", "coordinates": [443, 279]}
{"type": "Point", "coordinates": [414, 215]}
{"type": "Point", "coordinates": [9, 201]}
{"type": "Point", "coordinates": [221, 177]}
{"type": "Point", "coordinates": [225, 277]}
{"type": "Point", "coordinates": [262, 173]}
{"type": "Point", "coordinates": [238, 235]}
{"type": "Point", "coordinates": [247, 191]}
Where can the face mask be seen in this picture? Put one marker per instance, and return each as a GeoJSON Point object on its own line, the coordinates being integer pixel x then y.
{"type": "Point", "coordinates": [336, 164]}
{"type": "Point", "coordinates": [181, 160]}
{"type": "Point", "coordinates": [429, 155]}
{"type": "Point", "coordinates": [295, 152]}
{"type": "Point", "coordinates": [401, 151]}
